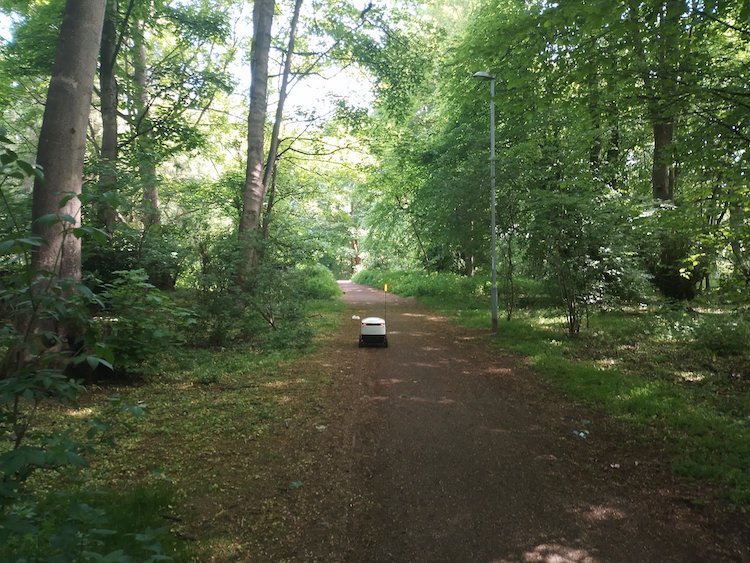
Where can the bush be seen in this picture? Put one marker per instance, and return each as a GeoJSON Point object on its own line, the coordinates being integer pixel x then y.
{"type": "Point", "coordinates": [269, 312]}
{"type": "Point", "coordinates": [158, 252]}
{"type": "Point", "coordinates": [92, 526]}
{"type": "Point", "coordinates": [315, 282]}
{"type": "Point", "coordinates": [139, 321]}
{"type": "Point", "coordinates": [724, 335]}
{"type": "Point", "coordinates": [422, 284]}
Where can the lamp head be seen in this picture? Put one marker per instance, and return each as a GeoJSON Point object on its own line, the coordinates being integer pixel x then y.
{"type": "Point", "coordinates": [484, 75]}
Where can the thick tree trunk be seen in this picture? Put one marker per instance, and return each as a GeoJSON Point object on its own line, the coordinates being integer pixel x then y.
{"type": "Point", "coordinates": [151, 213]}
{"type": "Point", "coordinates": [665, 108]}
{"type": "Point", "coordinates": [254, 190]}
{"type": "Point", "coordinates": [62, 140]}
{"type": "Point", "coordinates": [108, 95]}
{"type": "Point", "coordinates": [663, 175]}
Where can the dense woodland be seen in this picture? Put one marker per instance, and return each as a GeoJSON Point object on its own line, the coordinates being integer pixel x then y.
{"type": "Point", "coordinates": [174, 174]}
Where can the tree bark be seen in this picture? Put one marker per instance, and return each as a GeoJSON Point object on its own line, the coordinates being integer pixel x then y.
{"type": "Point", "coordinates": [274, 145]}
{"type": "Point", "coordinates": [254, 191]}
{"type": "Point", "coordinates": [269, 205]}
{"type": "Point", "coordinates": [151, 212]}
{"type": "Point", "coordinates": [663, 177]}
{"type": "Point", "coordinates": [62, 140]}
{"type": "Point", "coordinates": [108, 95]}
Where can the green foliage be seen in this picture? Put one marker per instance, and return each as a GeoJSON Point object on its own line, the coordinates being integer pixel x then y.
{"type": "Point", "coordinates": [35, 39]}
{"type": "Point", "coordinates": [268, 312]}
{"type": "Point", "coordinates": [46, 331]}
{"type": "Point", "coordinates": [421, 284]}
{"type": "Point", "coordinates": [119, 252]}
{"type": "Point", "coordinates": [316, 282]}
{"type": "Point", "coordinates": [38, 314]}
{"type": "Point", "coordinates": [725, 335]}
{"type": "Point", "coordinates": [578, 244]}
{"type": "Point", "coordinates": [14, 240]}
{"type": "Point", "coordinates": [94, 526]}
{"type": "Point", "coordinates": [139, 321]}
{"type": "Point", "coordinates": [162, 252]}
{"type": "Point", "coordinates": [575, 111]}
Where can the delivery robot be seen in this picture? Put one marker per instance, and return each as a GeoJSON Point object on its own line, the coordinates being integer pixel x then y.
{"type": "Point", "coordinates": [372, 332]}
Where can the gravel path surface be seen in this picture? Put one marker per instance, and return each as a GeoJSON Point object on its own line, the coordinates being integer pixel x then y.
{"type": "Point", "coordinates": [441, 449]}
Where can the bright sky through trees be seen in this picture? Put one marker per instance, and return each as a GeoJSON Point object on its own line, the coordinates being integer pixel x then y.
{"type": "Point", "coordinates": [5, 23]}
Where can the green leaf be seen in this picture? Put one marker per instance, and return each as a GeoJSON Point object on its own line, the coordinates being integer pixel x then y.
{"type": "Point", "coordinates": [8, 156]}
{"type": "Point", "coordinates": [7, 246]}
{"type": "Point", "coordinates": [97, 235]}
{"type": "Point", "coordinates": [48, 220]}
{"type": "Point", "coordinates": [66, 198]}
{"type": "Point", "coordinates": [29, 168]}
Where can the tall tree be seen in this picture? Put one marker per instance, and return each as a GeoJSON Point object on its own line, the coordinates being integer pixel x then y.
{"type": "Point", "coordinates": [254, 190]}
{"type": "Point", "coordinates": [62, 140]}
{"type": "Point", "coordinates": [112, 39]}
{"type": "Point", "coordinates": [269, 174]}
{"type": "Point", "coordinates": [283, 92]}
{"type": "Point", "coordinates": [143, 125]}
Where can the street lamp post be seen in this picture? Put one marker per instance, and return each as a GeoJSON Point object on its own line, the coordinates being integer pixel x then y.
{"type": "Point", "coordinates": [484, 75]}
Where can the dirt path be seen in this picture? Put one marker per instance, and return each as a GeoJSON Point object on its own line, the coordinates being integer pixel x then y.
{"type": "Point", "coordinates": [437, 449]}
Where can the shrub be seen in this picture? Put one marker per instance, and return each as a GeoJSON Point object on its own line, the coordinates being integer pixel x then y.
{"type": "Point", "coordinates": [158, 252]}
{"type": "Point", "coordinates": [422, 284]}
{"type": "Point", "coordinates": [139, 321]}
{"type": "Point", "coordinates": [724, 335]}
{"type": "Point", "coordinates": [87, 525]}
{"type": "Point", "coordinates": [315, 282]}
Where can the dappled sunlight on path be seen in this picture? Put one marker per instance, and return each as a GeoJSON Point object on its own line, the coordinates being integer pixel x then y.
{"type": "Point", "coordinates": [454, 453]}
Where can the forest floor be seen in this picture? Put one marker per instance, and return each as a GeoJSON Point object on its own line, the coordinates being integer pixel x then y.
{"type": "Point", "coordinates": [438, 448]}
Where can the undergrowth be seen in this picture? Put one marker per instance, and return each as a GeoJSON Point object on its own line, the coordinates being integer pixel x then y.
{"type": "Point", "coordinates": [124, 499]}
{"type": "Point", "coordinates": [680, 374]}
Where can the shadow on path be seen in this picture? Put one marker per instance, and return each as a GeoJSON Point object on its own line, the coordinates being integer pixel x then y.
{"type": "Point", "coordinates": [453, 452]}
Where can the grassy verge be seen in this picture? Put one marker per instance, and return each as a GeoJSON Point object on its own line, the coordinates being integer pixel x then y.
{"type": "Point", "coordinates": [190, 450]}
{"type": "Point", "coordinates": [679, 374]}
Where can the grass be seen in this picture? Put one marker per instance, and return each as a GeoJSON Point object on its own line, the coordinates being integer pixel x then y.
{"type": "Point", "coordinates": [210, 432]}
{"type": "Point", "coordinates": [677, 374]}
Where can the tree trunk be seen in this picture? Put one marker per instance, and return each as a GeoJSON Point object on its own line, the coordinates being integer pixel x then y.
{"type": "Point", "coordinates": [108, 95]}
{"type": "Point", "coordinates": [62, 140]}
{"type": "Point", "coordinates": [356, 257]}
{"type": "Point", "coordinates": [254, 191]}
{"type": "Point", "coordinates": [663, 175]}
{"type": "Point", "coordinates": [665, 108]}
{"type": "Point", "coordinates": [422, 251]}
{"type": "Point", "coordinates": [151, 213]}
{"type": "Point", "coordinates": [274, 145]}
{"type": "Point", "coordinates": [510, 286]}
{"type": "Point", "coordinates": [269, 205]}
{"type": "Point", "coordinates": [613, 157]}
{"type": "Point", "coordinates": [595, 148]}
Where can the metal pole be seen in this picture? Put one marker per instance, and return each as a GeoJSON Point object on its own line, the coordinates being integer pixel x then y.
{"type": "Point", "coordinates": [493, 206]}
{"type": "Point", "coordinates": [486, 75]}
